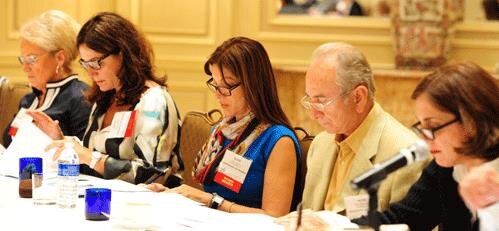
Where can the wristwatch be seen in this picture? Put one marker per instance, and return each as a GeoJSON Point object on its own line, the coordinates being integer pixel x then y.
{"type": "Point", "coordinates": [216, 201]}
{"type": "Point", "coordinates": [96, 156]}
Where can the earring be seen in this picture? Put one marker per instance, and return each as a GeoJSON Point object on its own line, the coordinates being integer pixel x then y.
{"type": "Point", "coordinates": [57, 69]}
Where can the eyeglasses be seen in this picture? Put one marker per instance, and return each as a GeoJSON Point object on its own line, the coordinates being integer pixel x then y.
{"type": "Point", "coordinates": [32, 59]}
{"type": "Point", "coordinates": [429, 133]}
{"type": "Point", "coordinates": [225, 91]}
{"type": "Point", "coordinates": [307, 103]}
{"type": "Point", "coordinates": [93, 63]}
{"type": "Point", "coordinates": [28, 60]}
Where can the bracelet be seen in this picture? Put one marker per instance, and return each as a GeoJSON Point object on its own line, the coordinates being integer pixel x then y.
{"type": "Point", "coordinates": [210, 201]}
{"type": "Point", "coordinates": [230, 206]}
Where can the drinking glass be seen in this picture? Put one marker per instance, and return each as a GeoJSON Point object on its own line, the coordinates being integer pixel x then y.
{"type": "Point", "coordinates": [44, 189]}
{"type": "Point", "coordinates": [28, 166]}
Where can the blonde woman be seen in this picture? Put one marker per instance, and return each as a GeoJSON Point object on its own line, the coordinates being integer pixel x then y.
{"type": "Point", "coordinates": [48, 47]}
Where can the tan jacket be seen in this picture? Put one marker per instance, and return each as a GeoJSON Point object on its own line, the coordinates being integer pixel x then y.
{"type": "Point", "coordinates": [385, 138]}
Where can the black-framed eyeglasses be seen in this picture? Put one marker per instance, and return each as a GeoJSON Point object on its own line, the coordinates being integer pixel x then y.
{"type": "Point", "coordinates": [93, 63]}
{"type": "Point", "coordinates": [429, 133]}
{"type": "Point", "coordinates": [225, 91]}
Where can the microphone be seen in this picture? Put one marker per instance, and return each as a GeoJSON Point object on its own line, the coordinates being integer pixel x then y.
{"type": "Point", "coordinates": [406, 156]}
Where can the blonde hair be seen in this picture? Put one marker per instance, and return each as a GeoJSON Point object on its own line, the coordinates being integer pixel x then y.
{"type": "Point", "coordinates": [352, 68]}
{"type": "Point", "coordinates": [53, 30]}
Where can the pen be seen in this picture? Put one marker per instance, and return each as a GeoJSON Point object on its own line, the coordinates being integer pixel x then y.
{"type": "Point", "coordinates": [298, 219]}
{"type": "Point", "coordinates": [156, 176]}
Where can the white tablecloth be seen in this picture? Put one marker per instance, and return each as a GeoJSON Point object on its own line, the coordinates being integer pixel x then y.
{"type": "Point", "coordinates": [132, 208]}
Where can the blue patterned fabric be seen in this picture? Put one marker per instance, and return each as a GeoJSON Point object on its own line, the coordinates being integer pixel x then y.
{"type": "Point", "coordinates": [252, 188]}
{"type": "Point", "coordinates": [64, 101]}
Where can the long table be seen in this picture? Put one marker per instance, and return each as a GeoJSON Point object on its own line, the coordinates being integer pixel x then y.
{"type": "Point", "coordinates": [132, 208]}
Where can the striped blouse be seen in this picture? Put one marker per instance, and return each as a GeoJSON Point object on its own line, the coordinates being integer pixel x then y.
{"type": "Point", "coordinates": [152, 147]}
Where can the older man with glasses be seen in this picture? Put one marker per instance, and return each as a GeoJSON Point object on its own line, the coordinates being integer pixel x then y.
{"type": "Point", "coordinates": [358, 132]}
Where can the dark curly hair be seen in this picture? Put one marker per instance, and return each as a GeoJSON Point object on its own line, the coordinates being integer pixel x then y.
{"type": "Point", "coordinates": [110, 33]}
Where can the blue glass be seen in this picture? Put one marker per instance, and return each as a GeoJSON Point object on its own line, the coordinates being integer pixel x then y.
{"type": "Point", "coordinates": [97, 204]}
{"type": "Point", "coordinates": [28, 166]}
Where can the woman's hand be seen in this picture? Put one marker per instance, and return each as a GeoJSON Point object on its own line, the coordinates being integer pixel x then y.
{"type": "Point", "coordinates": [193, 193]}
{"type": "Point", "coordinates": [156, 187]}
{"type": "Point", "coordinates": [84, 154]}
{"type": "Point", "coordinates": [480, 187]}
{"type": "Point", "coordinates": [46, 124]}
{"type": "Point", "coordinates": [308, 221]}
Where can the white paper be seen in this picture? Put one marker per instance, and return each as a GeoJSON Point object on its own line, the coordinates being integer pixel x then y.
{"type": "Point", "coordinates": [356, 206]}
{"type": "Point", "coordinates": [86, 181]}
{"type": "Point", "coordinates": [336, 221]}
{"type": "Point", "coordinates": [29, 141]}
{"type": "Point", "coordinates": [119, 125]}
{"type": "Point", "coordinates": [2, 149]}
{"type": "Point", "coordinates": [488, 217]}
{"type": "Point", "coordinates": [21, 117]}
{"type": "Point", "coordinates": [234, 166]}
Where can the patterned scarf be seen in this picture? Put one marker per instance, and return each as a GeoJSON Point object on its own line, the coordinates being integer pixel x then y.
{"type": "Point", "coordinates": [242, 133]}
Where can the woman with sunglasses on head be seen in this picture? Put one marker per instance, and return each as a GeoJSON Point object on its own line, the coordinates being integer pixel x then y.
{"type": "Point", "coordinates": [134, 125]}
{"type": "Point", "coordinates": [249, 163]}
{"type": "Point", "coordinates": [457, 107]}
{"type": "Point", "coordinates": [48, 47]}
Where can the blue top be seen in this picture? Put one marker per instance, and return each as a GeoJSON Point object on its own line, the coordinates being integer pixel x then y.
{"type": "Point", "coordinates": [64, 101]}
{"type": "Point", "coordinates": [252, 188]}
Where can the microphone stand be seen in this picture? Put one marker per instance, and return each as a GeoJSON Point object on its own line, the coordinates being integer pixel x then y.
{"type": "Point", "coordinates": [372, 190]}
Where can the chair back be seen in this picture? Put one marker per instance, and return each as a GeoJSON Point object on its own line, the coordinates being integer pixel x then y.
{"type": "Point", "coordinates": [305, 140]}
{"type": "Point", "coordinates": [10, 95]}
{"type": "Point", "coordinates": [195, 131]}
{"type": "Point", "coordinates": [3, 91]}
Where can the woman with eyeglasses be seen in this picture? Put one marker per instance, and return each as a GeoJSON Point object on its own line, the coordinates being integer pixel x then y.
{"type": "Point", "coordinates": [457, 107]}
{"type": "Point", "coordinates": [249, 163]}
{"type": "Point", "coordinates": [48, 47]}
{"type": "Point", "coordinates": [134, 126]}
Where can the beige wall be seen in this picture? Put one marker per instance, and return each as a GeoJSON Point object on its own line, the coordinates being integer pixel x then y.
{"type": "Point", "coordinates": [184, 33]}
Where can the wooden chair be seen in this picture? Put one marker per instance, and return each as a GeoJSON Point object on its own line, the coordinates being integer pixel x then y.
{"type": "Point", "coordinates": [305, 140]}
{"type": "Point", "coordinates": [195, 131]}
{"type": "Point", "coordinates": [10, 95]}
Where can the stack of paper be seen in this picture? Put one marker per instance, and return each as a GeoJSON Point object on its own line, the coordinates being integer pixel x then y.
{"type": "Point", "coordinates": [29, 141]}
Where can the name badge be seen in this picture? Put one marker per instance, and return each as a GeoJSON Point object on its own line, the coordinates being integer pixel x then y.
{"type": "Point", "coordinates": [122, 124]}
{"type": "Point", "coordinates": [232, 171]}
{"type": "Point", "coordinates": [21, 117]}
{"type": "Point", "coordinates": [357, 206]}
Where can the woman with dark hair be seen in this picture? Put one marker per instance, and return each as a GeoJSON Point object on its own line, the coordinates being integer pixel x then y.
{"type": "Point", "coordinates": [249, 163]}
{"type": "Point", "coordinates": [134, 124]}
{"type": "Point", "coordinates": [457, 108]}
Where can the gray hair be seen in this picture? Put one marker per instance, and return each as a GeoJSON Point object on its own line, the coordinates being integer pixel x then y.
{"type": "Point", "coordinates": [53, 30]}
{"type": "Point", "coordinates": [352, 68]}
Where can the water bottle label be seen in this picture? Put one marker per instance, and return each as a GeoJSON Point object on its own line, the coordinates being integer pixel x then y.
{"type": "Point", "coordinates": [69, 169]}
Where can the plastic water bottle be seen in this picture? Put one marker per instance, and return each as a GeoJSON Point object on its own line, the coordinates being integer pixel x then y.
{"type": "Point", "coordinates": [67, 177]}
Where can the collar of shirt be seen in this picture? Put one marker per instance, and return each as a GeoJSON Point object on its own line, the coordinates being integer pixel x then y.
{"type": "Point", "coordinates": [360, 135]}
